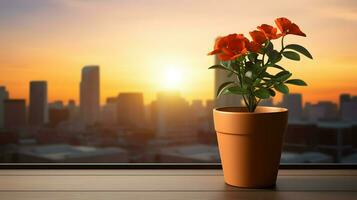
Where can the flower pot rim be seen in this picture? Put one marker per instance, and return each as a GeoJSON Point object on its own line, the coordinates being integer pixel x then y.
{"type": "Point", "coordinates": [260, 110]}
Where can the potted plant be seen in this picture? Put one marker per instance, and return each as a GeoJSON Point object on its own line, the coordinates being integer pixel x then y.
{"type": "Point", "coordinates": [250, 138]}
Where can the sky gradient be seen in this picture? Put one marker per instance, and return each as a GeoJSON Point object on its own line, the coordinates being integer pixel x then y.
{"type": "Point", "coordinates": [135, 41]}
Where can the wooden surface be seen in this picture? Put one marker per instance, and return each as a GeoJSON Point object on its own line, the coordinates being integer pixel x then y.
{"type": "Point", "coordinates": [170, 184]}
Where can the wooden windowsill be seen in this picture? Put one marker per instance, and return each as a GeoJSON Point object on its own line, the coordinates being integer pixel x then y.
{"type": "Point", "coordinates": [170, 184]}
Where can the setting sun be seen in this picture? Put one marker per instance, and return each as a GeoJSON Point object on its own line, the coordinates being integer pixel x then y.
{"type": "Point", "coordinates": [173, 77]}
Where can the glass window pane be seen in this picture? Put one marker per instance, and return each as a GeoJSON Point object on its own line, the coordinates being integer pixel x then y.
{"type": "Point", "coordinates": [127, 81]}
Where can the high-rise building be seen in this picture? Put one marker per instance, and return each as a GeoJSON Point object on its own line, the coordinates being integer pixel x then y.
{"type": "Point", "coordinates": [90, 95]}
{"type": "Point", "coordinates": [14, 114]}
{"type": "Point", "coordinates": [221, 76]}
{"type": "Point", "coordinates": [56, 104]}
{"type": "Point", "coordinates": [209, 114]}
{"type": "Point", "coordinates": [3, 96]}
{"type": "Point", "coordinates": [58, 115]}
{"type": "Point", "coordinates": [293, 102]}
{"type": "Point", "coordinates": [172, 118]}
{"type": "Point", "coordinates": [348, 108]}
{"type": "Point", "coordinates": [345, 98]}
{"type": "Point", "coordinates": [130, 109]}
{"type": "Point", "coordinates": [209, 107]}
{"type": "Point", "coordinates": [109, 111]}
{"type": "Point", "coordinates": [198, 109]}
{"type": "Point", "coordinates": [73, 110]}
{"type": "Point", "coordinates": [38, 110]}
{"type": "Point", "coordinates": [322, 111]}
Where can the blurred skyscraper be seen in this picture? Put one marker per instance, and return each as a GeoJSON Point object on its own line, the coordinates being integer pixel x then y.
{"type": "Point", "coordinates": [90, 95]}
{"type": "Point", "coordinates": [209, 107]}
{"type": "Point", "coordinates": [198, 109]}
{"type": "Point", "coordinates": [321, 111]}
{"type": "Point", "coordinates": [14, 113]}
{"type": "Point", "coordinates": [109, 111]}
{"type": "Point", "coordinates": [209, 114]}
{"type": "Point", "coordinates": [58, 115]}
{"type": "Point", "coordinates": [130, 109]}
{"type": "Point", "coordinates": [38, 110]}
{"type": "Point", "coordinates": [56, 104]}
{"type": "Point", "coordinates": [348, 108]}
{"type": "Point", "coordinates": [344, 98]}
{"type": "Point", "coordinates": [3, 96]}
{"type": "Point", "coordinates": [172, 117]}
{"type": "Point", "coordinates": [221, 76]}
{"type": "Point", "coordinates": [293, 102]}
{"type": "Point", "coordinates": [73, 110]}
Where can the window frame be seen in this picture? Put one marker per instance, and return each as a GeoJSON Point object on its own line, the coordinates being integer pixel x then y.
{"type": "Point", "coordinates": [134, 166]}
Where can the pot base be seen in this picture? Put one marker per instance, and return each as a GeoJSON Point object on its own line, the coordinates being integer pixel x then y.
{"type": "Point", "coordinates": [250, 145]}
{"type": "Point", "coordinates": [273, 186]}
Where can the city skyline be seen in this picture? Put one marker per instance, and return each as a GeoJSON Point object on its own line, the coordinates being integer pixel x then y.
{"type": "Point", "coordinates": [109, 99]}
{"type": "Point", "coordinates": [169, 129]}
{"type": "Point", "coordinates": [90, 90]}
{"type": "Point", "coordinates": [51, 40]}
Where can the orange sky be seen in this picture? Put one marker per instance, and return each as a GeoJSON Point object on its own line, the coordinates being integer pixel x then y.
{"type": "Point", "coordinates": [135, 41]}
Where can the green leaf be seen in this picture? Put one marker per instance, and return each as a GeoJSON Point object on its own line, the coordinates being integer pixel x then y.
{"type": "Point", "coordinates": [252, 57]}
{"type": "Point", "coordinates": [266, 74]}
{"type": "Point", "coordinates": [299, 49]}
{"type": "Point", "coordinates": [291, 55]}
{"type": "Point", "coordinates": [278, 67]}
{"type": "Point", "coordinates": [268, 47]}
{"type": "Point", "coordinates": [218, 67]}
{"type": "Point", "coordinates": [249, 65]}
{"type": "Point", "coordinates": [222, 87]}
{"type": "Point", "coordinates": [247, 80]}
{"type": "Point", "coordinates": [241, 58]}
{"type": "Point", "coordinates": [296, 82]}
{"type": "Point", "coordinates": [283, 75]}
{"type": "Point", "coordinates": [235, 90]}
{"type": "Point", "coordinates": [257, 81]}
{"type": "Point", "coordinates": [274, 56]}
{"type": "Point", "coordinates": [272, 92]}
{"type": "Point", "coordinates": [282, 88]}
{"type": "Point", "coordinates": [256, 68]}
{"type": "Point", "coordinates": [262, 93]}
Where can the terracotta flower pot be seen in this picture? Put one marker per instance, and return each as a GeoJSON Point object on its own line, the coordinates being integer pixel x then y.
{"type": "Point", "coordinates": [250, 144]}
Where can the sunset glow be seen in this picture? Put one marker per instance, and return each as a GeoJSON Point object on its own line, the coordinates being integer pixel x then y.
{"type": "Point", "coordinates": [134, 42]}
{"type": "Point", "coordinates": [174, 78]}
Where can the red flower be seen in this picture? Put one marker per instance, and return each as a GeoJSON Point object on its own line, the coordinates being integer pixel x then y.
{"type": "Point", "coordinates": [287, 27]}
{"type": "Point", "coordinates": [229, 47]}
{"type": "Point", "coordinates": [258, 37]}
{"type": "Point", "coordinates": [253, 46]}
{"type": "Point", "coordinates": [269, 31]}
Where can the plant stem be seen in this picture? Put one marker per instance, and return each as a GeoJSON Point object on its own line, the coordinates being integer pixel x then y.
{"type": "Point", "coordinates": [282, 44]}
{"type": "Point", "coordinates": [241, 84]}
{"type": "Point", "coordinates": [251, 104]}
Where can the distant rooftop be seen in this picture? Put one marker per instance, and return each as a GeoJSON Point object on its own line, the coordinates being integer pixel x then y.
{"type": "Point", "coordinates": [197, 151]}
{"type": "Point", "coordinates": [65, 151]}
{"type": "Point", "coordinates": [307, 157]}
{"type": "Point", "coordinates": [14, 100]}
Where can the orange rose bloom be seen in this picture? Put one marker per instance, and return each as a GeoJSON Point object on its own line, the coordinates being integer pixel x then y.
{"type": "Point", "coordinates": [253, 46]}
{"type": "Point", "coordinates": [269, 31]}
{"type": "Point", "coordinates": [287, 27]}
{"type": "Point", "coordinates": [258, 37]}
{"type": "Point", "coordinates": [230, 47]}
